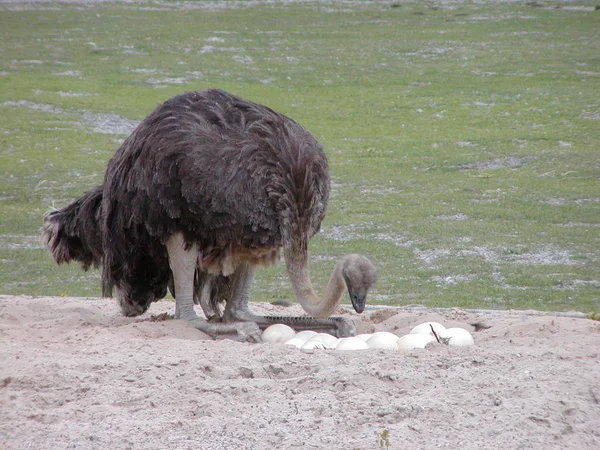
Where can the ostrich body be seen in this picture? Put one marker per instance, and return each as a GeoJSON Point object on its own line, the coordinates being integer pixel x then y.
{"type": "Point", "coordinates": [207, 188]}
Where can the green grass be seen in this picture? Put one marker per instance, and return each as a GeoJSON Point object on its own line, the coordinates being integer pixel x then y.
{"type": "Point", "coordinates": [463, 140]}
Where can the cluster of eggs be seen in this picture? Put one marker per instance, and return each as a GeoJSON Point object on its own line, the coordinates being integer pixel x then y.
{"type": "Point", "coordinates": [419, 337]}
{"type": "Point", "coordinates": [423, 334]}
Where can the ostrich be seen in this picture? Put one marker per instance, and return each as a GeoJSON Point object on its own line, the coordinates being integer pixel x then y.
{"type": "Point", "coordinates": [206, 189]}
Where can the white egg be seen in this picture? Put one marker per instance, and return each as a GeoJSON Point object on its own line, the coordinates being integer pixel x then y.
{"type": "Point", "coordinates": [410, 341]}
{"type": "Point", "coordinates": [277, 333]}
{"type": "Point", "coordinates": [365, 336]}
{"type": "Point", "coordinates": [325, 338]}
{"type": "Point", "coordinates": [459, 337]}
{"type": "Point", "coordinates": [310, 344]}
{"type": "Point", "coordinates": [305, 335]}
{"type": "Point", "coordinates": [295, 342]}
{"type": "Point", "coordinates": [333, 344]}
{"type": "Point", "coordinates": [425, 328]}
{"type": "Point", "coordinates": [383, 339]}
{"type": "Point", "coordinates": [351, 343]}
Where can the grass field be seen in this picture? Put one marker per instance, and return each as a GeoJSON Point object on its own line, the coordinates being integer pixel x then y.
{"type": "Point", "coordinates": [463, 137]}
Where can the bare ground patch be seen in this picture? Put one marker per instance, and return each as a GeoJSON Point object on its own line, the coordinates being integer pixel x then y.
{"type": "Point", "coordinates": [77, 373]}
{"type": "Point", "coordinates": [105, 123]}
{"type": "Point", "coordinates": [548, 255]}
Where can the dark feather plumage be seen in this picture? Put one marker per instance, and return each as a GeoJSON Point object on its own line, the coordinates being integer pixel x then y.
{"type": "Point", "coordinates": [231, 175]}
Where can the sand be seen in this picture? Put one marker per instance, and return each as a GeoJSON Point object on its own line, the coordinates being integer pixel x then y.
{"type": "Point", "coordinates": [74, 373]}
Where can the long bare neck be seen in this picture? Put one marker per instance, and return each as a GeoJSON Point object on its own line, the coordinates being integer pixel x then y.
{"type": "Point", "coordinates": [297, 265]}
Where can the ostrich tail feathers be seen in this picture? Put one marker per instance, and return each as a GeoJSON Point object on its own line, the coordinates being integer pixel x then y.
{"type": "Point", "coordinates": [55, 239]}
{"type": "Point", "coordinates": [73, 232]}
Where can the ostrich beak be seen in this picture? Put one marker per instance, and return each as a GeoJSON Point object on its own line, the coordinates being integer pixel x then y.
{"type": "Point", "coordinates": [358, 301]}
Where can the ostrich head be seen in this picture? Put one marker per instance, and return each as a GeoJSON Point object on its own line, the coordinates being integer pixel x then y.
{"type": "Point", "coordinates": [360, 275]}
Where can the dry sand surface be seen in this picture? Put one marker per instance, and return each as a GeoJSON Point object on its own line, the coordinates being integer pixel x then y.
{"type": "Point", "coordinates": [76, 374]}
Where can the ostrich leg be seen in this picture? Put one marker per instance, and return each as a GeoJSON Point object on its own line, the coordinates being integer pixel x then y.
{"type": "Point", "coordinates": [209, 292]}
{"type": "Point", "coordinates": [237, 309]}
{"type": "Point", "coordinates": [183, 265]}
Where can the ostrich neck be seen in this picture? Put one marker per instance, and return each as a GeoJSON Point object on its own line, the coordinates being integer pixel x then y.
{"type": "Point", "coordinates": [297, 265]}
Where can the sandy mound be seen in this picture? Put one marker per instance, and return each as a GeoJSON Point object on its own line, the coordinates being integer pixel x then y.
{"type": "Point", "coordinates": [75, 374]}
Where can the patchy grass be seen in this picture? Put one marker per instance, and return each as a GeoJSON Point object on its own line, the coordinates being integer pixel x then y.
{"type": "Point", "coordinates": [463, 139]}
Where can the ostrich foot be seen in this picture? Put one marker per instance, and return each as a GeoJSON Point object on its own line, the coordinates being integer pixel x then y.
{"type": "Point", "coordinates": [337, 326]}
{"type": "Point", "coordinates": [245, 331]}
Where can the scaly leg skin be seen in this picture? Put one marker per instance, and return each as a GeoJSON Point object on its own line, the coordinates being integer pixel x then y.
{"type": "Point", "coordinates": [237, 310]}
{"type": "Point", "coordinates": [183, 266]}
{"type": "Point", "coordinates": [209, 292]}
